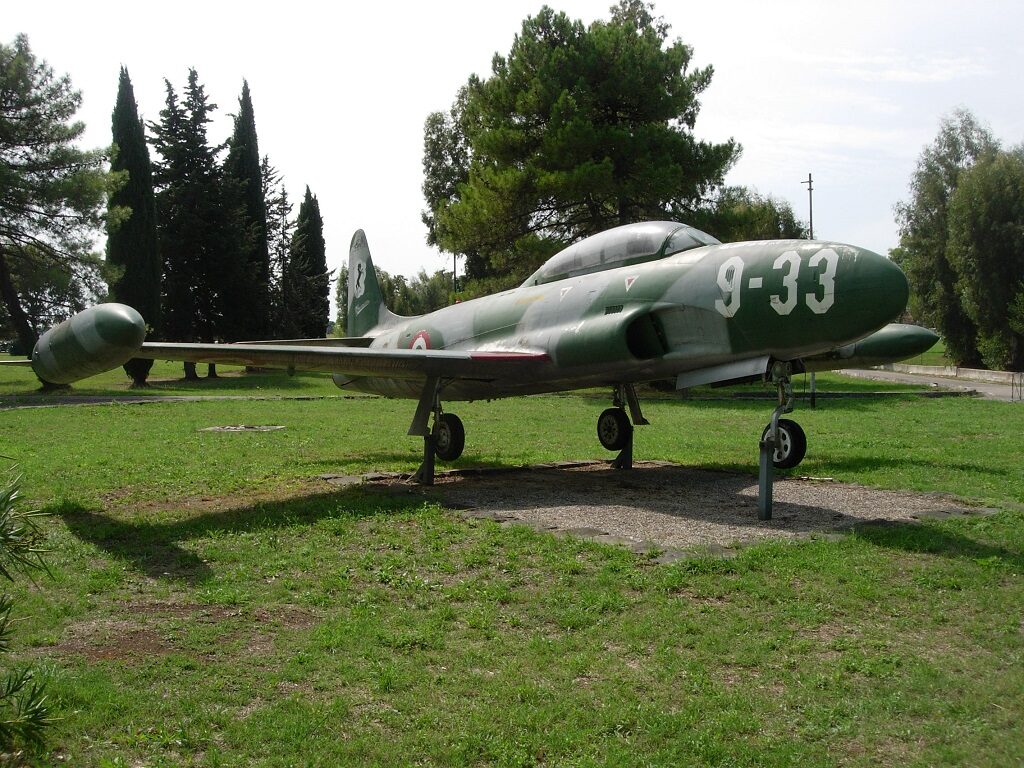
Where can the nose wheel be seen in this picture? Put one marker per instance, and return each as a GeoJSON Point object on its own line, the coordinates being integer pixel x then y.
{"type": "Point", "coordinates": [790, 444]}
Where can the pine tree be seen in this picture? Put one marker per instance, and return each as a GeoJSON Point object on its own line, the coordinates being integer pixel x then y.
{"type": "Point", "coordinates": [131, 242]}
{"type": "Point", "coordinates": [199, 223]}
{"type": "Point", "coordinates": [308, 271]}
{"type": "Point", "coordinates": [578, 129]}
{"type": "Point", "coordinates": [249, 301]}
{"type": "Point", "coordinates": [51, 194]}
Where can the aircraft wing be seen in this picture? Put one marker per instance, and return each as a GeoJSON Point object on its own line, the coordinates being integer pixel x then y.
{"type": "Point", "coordinates": [352, 361]}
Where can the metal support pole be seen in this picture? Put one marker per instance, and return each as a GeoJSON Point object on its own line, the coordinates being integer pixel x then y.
{"type": "Point", "coordinates": [625, 458]}
{"type": "Point", "coordinates": [765, 478]}
{"type": "Point", "coordinates": [814, 391]}
{"type": "Point", "coordinates": [425, 474]}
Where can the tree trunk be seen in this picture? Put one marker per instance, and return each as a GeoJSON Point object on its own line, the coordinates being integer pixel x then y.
{"type": "Point", "coordinates": [190, 372]}
{"type": "Point", "coordinates": [138, 369]}
{"type": "Point", "coordinates": [26, 333]}
{"type": "Point", "coordinates": [211, 371]}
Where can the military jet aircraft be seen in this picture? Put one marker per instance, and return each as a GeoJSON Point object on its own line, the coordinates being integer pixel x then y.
{"type": "Point", "coordinates": [638, 303]}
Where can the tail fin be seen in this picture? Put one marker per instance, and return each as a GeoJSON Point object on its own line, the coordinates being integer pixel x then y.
{"type": "Point", "coordinates": [366, 309]}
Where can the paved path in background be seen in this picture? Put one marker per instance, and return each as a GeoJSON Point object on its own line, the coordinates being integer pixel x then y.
{"type": "Point", "coordinates": [8, 402]}
{"type": "Point", "coordinates": [984, 389]}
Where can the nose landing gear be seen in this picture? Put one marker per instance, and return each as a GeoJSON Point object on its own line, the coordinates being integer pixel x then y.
{"type": "Point", "coordinates": [783, 442]}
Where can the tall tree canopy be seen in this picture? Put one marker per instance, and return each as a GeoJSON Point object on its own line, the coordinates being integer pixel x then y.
{"type": "Point", "coordinates": [577, 129]}
{"type": "Point", "coordinates": [924, 232]}
{"type": "Point", "coordinates": [244, 167]}
{"type": "Point", "coordinates": [986, 248]}
{"type": "Point", "coordinates": [739, 213]}
{"type": "Point", "coordinates": [131, 241]}
{"type": "Point", "coordinates": [52, 195]}
{"type": "Point", "coordinates": [199, 223]}
{"type": "Point", "coordinates": [280, 228]}
{"type": "Point", "coordinates": [307, 275]}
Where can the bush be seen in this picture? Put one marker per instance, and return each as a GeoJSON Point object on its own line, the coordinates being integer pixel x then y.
{"type": "Point", "coordinates": [23, 710]}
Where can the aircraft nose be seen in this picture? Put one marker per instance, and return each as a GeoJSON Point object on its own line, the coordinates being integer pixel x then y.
{"type": "Point", "coordinates": [879, 287]}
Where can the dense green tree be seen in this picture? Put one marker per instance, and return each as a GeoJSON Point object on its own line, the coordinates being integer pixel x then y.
{"type": "Point", "coordinates": [52, 195]}
{"type": "Point", "coordinates": [200, 226]}
{"type": "Point", "coordinates": [577, 129]}
{"type": "Point", "coordinates": [131, 241]}
{"type": "Point", "coordinates": [306, 276]}
{"type": "Point", "coordinates": [280, 229]}
{"type": "Point", "coordinates": [986, 248]}
{"type": "Point", "coordinates": [924, 232]}
{"type": "Point", "coordinates": [249, 301]}
{"type": "Point", "coordinates": [739, 213]}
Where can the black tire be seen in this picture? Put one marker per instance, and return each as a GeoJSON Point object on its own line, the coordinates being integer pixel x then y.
{"type": "Point", "coordinates": [614, 429]}
{"type": "Point", "coordinates": [449, 437]}
{"type": "Point", "coordinates": [792, 444]}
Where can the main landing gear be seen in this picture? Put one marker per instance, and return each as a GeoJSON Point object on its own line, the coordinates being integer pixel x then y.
{"type": "Point", "coordinates": [445, 439]}
{"type": "Point", "coordinates": [614, 429]}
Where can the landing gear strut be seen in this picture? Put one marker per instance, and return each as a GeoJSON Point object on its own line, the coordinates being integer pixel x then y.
{"type": "Point", "coordinates": [783, 442]}
{"type": "Point", "coordinates": [614, 429]}
{"type": "Point", "coordinates": [444, 440]}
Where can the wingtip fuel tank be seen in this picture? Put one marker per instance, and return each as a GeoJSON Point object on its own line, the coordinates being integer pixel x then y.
{"type": "Point", "coordinates": [95, 340]}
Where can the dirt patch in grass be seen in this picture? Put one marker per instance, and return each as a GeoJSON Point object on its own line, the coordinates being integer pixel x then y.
{"type": "Point", "coordinates": [153, 625]}
{"type": "Point", "coordinates": [673, 510]}
{"type": "Point", "coordinates": [111, 639]}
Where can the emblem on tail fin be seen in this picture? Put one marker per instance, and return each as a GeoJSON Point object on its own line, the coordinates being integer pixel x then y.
{"type": "Point", "coordinates": [367, 312]}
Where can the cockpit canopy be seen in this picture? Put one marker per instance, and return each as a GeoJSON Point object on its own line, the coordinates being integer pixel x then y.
{"type": "Point", "coordinates": [620, 247]}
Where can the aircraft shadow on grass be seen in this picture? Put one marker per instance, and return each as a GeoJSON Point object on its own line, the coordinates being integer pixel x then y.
{"type": "Point", "coordinates": [932, 540]}
{"type": "Point", "coordinates": [156, 549]}
{"type": "Point", "coordinates": [867, 463]}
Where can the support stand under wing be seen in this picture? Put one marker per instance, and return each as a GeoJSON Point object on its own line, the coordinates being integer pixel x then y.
{"type": "Point", "coordinates": [429, 402]}
{"type": "Point", "coordinates": [625, 396]}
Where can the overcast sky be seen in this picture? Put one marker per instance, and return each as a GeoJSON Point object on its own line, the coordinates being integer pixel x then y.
{"type": "Point", "coordinates": [850, 92]}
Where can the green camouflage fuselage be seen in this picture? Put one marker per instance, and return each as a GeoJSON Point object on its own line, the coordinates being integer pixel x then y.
{"type": "Point", "coordinates": [696, 309]}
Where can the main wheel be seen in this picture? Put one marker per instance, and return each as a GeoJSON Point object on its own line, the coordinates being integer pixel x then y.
{"type": "Point", "coordinates": [449, 437]}
{"type": "Point", "coordinates": [614, 429]}
{"type": "Point", "coordinates": [792, 444]}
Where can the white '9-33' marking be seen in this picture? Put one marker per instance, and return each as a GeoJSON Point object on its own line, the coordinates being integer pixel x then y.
{"type": "Point", "coordinates": [730, 280]}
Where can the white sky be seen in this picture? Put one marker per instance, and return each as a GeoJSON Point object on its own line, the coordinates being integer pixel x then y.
{"type": "Point", "coordinates": [850, 92]}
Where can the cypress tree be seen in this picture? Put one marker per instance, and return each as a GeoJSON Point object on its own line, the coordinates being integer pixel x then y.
{"type": "Point", "coordinates": [308, 270]}
{"type": "Point", "coordinates": [132, 243]}
{"type": "Point", "coordinates": [199, 226]}
{"type": "Point", "coordinates": [280, 228]}
{"type": "Point", "coordinates": [249, 300]}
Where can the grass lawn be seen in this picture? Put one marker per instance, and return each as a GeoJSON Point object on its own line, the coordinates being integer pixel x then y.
{"type": "Point", "coordinates": [210, 603]}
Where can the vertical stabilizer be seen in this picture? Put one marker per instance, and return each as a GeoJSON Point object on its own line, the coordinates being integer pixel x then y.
{"type": "Point", "coordinates": [366, 309]}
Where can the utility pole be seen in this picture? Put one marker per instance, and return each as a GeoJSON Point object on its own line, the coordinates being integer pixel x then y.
{"type": "Point", "coordinates": [810, 208]}
{"type": "Point", "coordinates": [810, 201]}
